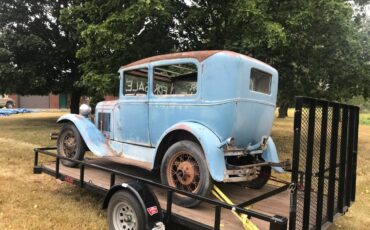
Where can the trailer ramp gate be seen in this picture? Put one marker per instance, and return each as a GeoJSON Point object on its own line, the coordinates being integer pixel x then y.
{"type": "Point", "coordinates": [324, 162]}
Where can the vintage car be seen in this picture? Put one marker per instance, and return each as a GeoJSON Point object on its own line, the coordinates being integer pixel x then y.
{"type": "Point", "coordinates": [197, 117]}
{"type": "Point", "coordinates": [6, 102]}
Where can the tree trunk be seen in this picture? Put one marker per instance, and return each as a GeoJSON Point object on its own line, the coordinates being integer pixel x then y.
{"type": "Point", "coordinates": [283, 109]}
{"type": "Point", "coordinates": [75, 102]}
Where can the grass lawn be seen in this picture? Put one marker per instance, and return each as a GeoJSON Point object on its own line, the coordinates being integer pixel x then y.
{"type": "Point", "coordinates": [29, 201]}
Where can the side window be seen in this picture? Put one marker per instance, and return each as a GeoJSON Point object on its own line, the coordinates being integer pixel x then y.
{"type": "Point", "coordinates": [260, 81]}
{"type": "Point", "coordinates": [135, 82]}
{"type": "Point", "coordinates": [175, 79]}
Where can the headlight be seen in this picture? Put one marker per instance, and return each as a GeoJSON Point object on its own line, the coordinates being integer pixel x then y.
{"type": "Point", "coordinates": [85, 110]}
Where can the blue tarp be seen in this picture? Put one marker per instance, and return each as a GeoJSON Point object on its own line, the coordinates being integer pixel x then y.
{"type": "Point", "coordinates": [8, 112]}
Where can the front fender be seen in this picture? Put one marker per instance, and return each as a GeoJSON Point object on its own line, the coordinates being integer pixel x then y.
{"type": "Point", "coordinates": [93, 138]}
{"type": "Point", "coordinates": [270, 154]}
{"type": "Point", "coordinates": [209, 143]}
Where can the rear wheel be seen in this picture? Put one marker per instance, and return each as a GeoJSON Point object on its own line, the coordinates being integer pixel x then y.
{"type": "Point", "coordinates": [184, 167]}
{"type": "Point", "coordinates": [263, 175]}
{"type": "Point", "coordinates": [70, 144]}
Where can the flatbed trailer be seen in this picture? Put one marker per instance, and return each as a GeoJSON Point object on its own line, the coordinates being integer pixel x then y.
{"type": "Point", "coordinates": [322, 185]}
{"type": "Point", "coordinates": [99, 175]}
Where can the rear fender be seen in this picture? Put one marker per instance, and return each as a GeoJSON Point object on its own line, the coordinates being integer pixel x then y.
{"type": "Point", "coordinates": [209, 143]}
{"type": "Point", "coordinates": [93, 138]}
{"type": "Point", "coordinates": [270, 154]}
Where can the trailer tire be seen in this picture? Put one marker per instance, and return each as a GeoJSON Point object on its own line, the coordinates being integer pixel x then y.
{"type": "Point", "coordinates": [191, 175]}
{"type": "Point", "coordinates": [70, 144]}
{"type": "Point", "coordinates": [125, 212]}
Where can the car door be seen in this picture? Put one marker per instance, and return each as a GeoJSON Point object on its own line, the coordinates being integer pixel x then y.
{"type": "Point", "coordinates": [131, 113]}
{"type": "Point", "coordinates": [174, 95]}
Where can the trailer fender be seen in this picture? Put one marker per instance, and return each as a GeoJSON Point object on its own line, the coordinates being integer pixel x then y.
{"type": "Point", "coordinates": [93, 138]}
{"type": "Point", "coordinates": [210, 144]}
{"type": "Point", "coordinates": [270, 154]}
{"type": "Point", "coordinates": [145, 196]}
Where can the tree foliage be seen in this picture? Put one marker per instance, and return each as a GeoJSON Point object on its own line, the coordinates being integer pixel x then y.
{"type": "Point", "coordinates": [116, 32]}
{"type": "Point", "coordinates": [37, 55]}
{"type": "Point", "coordinates": [320, 48]}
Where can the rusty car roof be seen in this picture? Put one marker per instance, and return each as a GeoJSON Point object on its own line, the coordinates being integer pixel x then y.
{"type": "Point", "coordinates": [199, 55]}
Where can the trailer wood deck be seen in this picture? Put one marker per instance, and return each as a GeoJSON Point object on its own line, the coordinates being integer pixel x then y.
{"type": "Point", "coordinates": [204, 214]}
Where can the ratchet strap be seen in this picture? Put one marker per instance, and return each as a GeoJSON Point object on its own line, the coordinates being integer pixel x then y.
{"type": "Point", "coordinates": [247, 224]}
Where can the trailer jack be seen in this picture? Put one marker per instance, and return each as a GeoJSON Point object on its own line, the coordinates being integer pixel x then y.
{"type": "Point", "coordinates": [246, 222]}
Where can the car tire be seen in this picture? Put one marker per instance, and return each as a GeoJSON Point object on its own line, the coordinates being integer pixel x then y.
{"type": "Point", "coordinates": [9, 105]}
{"type": "Point", "coordinates": [262, 178]}
{"type": "Point", "coordinates": [125, 212]}
{"type": "Point", "coordinates": [184, 167]}
{"type": "Point", "coordinates": [70, 144]}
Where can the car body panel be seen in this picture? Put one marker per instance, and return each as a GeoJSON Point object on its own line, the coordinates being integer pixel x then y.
{"type": "Point", "coordinates": [93, 138]}
{"type": "Point", "coordinates": [270, 154]}
{"type": "Point", "coordinates": [210, 144]}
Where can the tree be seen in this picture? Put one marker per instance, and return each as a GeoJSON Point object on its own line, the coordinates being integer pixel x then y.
{"type": "Point", "coordinates": [315, 45]}
{"type": "Point", "coordinates": [320, 48]}
{"type": "Point", "coordinates": [116, 32]}
{"type": "Point", "coordinates": [37, 56]}
{"type": "Point", "coordinates": [323, 56]}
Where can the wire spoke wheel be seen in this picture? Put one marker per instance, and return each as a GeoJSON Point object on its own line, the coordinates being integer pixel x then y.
{"type": "Point", "coordinates": [184, 167]}
{"type": "Point", "coordinates": [69, 144]}
{"type": "Point", "coordinates": [183, 172]}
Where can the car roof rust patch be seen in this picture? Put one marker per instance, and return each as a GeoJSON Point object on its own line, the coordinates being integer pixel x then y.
{"type": "Point", "coordinates": [199, 55]}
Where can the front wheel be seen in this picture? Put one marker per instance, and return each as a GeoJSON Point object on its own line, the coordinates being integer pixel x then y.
{"type": "Point", "coordinates": [184, 167]}
{"type": "Point", "coordinates": [70, 144]}
{"type": "Point", "coordinates": [125, 212]}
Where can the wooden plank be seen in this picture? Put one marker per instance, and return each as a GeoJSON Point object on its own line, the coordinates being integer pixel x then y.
{"type": "Point", "coordinates": [204, 213]}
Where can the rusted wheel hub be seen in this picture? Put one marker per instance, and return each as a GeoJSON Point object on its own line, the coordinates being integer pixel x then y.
{"type": "Point", "coordinates": [183, 172]}
{"type": "Point", "coordinates": [69, 145]}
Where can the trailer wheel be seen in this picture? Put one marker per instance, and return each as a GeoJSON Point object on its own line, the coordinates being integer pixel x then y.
{"type": "Point", "coordinates": [184, 167]}
{"type": "Point", "coordinates": [264, 174]}
{"type": "Point", "coordinates": [125, 212]}
{"type": "Point", "coordinates": [70, 144]}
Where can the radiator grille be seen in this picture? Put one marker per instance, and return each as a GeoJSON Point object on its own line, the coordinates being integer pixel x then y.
{"type": "Point", "coordinates": [104, 121]}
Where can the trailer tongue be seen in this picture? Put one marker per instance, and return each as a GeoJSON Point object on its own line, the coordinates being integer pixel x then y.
{"type": "Point", "coordinates": [322, 182]}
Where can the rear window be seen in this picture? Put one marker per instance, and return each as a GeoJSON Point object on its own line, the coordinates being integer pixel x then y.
{"type": "Point", "coordinates": [260, 81]}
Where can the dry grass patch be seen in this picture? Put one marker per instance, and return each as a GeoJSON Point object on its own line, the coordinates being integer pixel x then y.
{"type": "Point", "coordinates": [29, 201]}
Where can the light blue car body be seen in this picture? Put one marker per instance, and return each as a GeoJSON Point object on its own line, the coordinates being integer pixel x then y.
{"type": "Point", "coordinates": [223, 107]}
